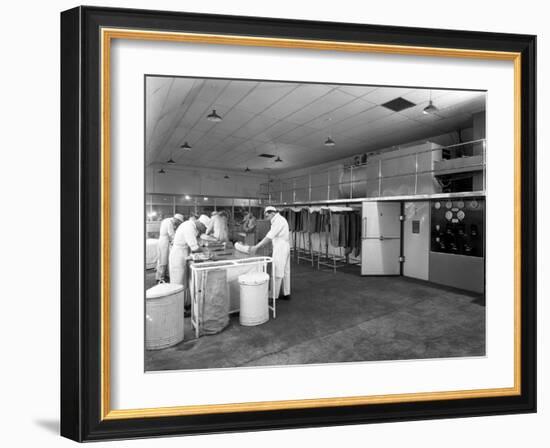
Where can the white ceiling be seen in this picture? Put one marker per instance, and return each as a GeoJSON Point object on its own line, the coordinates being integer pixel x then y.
{"type": "Point", "coordinates": [291, 120]}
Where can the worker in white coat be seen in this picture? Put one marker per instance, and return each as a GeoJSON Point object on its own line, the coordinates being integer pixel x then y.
{"type": "Point", "coordinates": [218, 226]}
{"type": "Point", "coordinates": [168, 228]}
{"type": "Point", "coordinates": [279, 236]}
{"type": "Point", "coordinates": [185, 242]}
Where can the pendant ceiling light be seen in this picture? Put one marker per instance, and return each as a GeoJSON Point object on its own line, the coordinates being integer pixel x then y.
{"type": "Point", "coordinates": [161, 171]}
{"type": "Point", "coordinates": [226, 177]}
{"type": "Point", "coordinates": [247, 170]}
{"type": "Point", "coordinates": [170, 161]}
{"type": "Point", "coordinates": [186, 146]}
{"type": "Point", "coordinates": [329, 141]}
{"type": "Point", "coordinates": [278, 159]}
{"type": "Point", "coordinates": [214, 117]}
{"type": "Point", "coordinates": [430, 109]}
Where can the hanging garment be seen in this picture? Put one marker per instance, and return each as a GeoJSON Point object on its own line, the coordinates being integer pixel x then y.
{"type": "Point", "coordinates": [343, 230]}
{"type": "Point", "coordinates": [335, 229]}
{"type": "Point", "coordinates": [353, 241]}
{"type": "Point", "coordinates": [358, 234]}
{"type": "Point", "coordinates": [304, 215]}
{"type": "Point", "coordinates": [313, 219]}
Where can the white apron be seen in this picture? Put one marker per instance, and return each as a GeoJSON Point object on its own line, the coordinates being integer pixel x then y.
{"type": "Point", "coordinates": [179, 272]}
{"type": "Point", "coordinates": [281, 257]}
{"type": "Point", "coordinates": [163, 249]}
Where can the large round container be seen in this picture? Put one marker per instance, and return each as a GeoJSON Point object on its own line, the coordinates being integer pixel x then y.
{"type": "Point", "coordinates": [163, 316]}
{"type": "Point", "coordinates": [254, 302]}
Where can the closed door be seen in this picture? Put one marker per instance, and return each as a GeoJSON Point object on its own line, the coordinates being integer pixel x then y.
{"type": "Point", "coordinates": [416, 240]}
{"type": "Point", "coordinates": [381, 238]}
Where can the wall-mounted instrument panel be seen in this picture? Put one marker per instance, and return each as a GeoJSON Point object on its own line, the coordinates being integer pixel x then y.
{"type": "Point", "coordinates": [457, 226]}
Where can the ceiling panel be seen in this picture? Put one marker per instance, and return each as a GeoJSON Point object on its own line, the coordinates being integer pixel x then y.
{"type": "Point", "coordinates": [342, 113]}
{"type": "Point", "coordinates": [296, 134]}
{"type": "Point", "coordinates": [255, 126]}
{"type": "Point", "coordinates": [279, 128]}
{"type": "Point", "coordinates": [356, 91]}
{"type": "Point", "coordinates": [265, 95]}
{"type": "Point", "coordinates": [324, 105]}
{"type": "Point", "coordinates": [362, 119]}
{"type": "Point", "coordinates": [296, 100]}
{"type": "Point", "coordinates": [179, 91]}
{"type": "Point", "coordinates": [235, 92]}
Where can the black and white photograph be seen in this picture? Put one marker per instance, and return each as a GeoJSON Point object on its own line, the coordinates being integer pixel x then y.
{"type": "Point", "coordinates": [293, 223]}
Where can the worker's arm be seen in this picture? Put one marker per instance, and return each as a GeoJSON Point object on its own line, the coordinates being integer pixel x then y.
{"type": "Point", "coordinates": [210, 227]}
{"type": "Point", "coordinates": [273, 232]}
{"type": "Point", "coordinates": [262, 243]}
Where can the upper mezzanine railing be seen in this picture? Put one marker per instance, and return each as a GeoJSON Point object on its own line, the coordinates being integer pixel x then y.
{"type": "Point", "coordinates": [420, 170]}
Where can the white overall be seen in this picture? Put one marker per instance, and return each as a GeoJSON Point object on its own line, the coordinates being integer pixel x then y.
{"type": "Point", "coordinates": [185, 241]}
{"type": "Point", "coordinates": [279, 235]}
{"type": "Point", "coordinates": [163, 248]}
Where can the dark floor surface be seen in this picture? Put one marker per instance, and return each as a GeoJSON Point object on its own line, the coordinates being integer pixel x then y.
{"type": "Point", "coordinates": [340, 317]}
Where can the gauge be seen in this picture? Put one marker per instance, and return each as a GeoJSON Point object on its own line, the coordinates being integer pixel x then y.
{"type": "Point", "coordinates": [460, 215]}
{"type": "Point", "coordinates": [474, 204]}
{"type": "Point", "coordinates": [437, 205]}
{"type": "Point", "coordinates": [449, 215]}
{"type": "Point", "coordinates": [460, 204]}
{"type": "Point", "coordinates": [437, 227]}
{"type": "Point", "coordinates": [448, 204]}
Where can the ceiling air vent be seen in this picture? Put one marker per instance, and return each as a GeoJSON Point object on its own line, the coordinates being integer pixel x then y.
{"type": "Point", "coordinates": [398, 104]}
{"type": "Point", "coordinates": [267, 156]}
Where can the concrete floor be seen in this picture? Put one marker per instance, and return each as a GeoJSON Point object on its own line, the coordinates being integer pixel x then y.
{"type": "Point", "coordinates": [340, 317]}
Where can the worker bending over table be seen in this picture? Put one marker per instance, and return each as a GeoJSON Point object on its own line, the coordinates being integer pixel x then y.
{"type": "Point", "coordinates": [279, 236]}
{"type": "Point", "coordinates": [185, 242]}
{"type": "Point", "coordinates": [168, 229]}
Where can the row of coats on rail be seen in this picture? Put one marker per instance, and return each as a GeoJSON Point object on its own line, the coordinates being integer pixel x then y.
{"type": "Point", "coordinates": [341, 225]}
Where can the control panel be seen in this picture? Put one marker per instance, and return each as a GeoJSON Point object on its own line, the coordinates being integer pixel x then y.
{"type": "Point", "coordinates": [457, 226]}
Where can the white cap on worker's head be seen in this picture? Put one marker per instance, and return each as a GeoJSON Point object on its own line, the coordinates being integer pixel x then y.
{"type": "Point", "coordinates": [270, 208]}
{"type": "Point", "coordinates": [179, 217]}
{"type": "Point", "coordinates": [204, 219]}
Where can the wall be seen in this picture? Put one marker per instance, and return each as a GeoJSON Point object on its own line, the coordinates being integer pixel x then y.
{"type": "Point", "coordinates": [30, 402]}
{"type": "Point", "coordinates": [202, 181]}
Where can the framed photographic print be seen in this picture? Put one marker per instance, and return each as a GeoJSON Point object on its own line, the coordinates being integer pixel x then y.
{"type": "Point", "coordinates": [276, 224]}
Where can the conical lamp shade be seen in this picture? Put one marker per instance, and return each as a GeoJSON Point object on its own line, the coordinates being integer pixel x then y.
{"type": "Point", "coordinates": [329, 142]}
{"type": "Point", "coordinates": [214, 117]}
{"type": "Point", "coordinates": [430, 109]}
